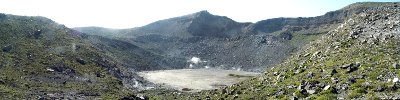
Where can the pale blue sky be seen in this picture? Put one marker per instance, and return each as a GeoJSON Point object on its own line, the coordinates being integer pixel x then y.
{"type": "Point", "coordinates": [135, 13]}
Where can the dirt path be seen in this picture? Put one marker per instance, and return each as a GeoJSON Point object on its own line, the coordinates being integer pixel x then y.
{"type": "Point", "coordinates": [196, 79]}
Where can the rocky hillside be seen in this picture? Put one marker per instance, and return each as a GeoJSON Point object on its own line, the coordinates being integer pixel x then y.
{"type": "Point", "coordinates": [227, 44]}
{"type": "Point", "coordinates": [40, 59]}
{"type": "Point", "coordinates": [134, 57]}
{"type": "Point", "coordinates": [359, 59]}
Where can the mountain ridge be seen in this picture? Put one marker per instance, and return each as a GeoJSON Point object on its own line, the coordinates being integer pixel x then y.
{"type": "Point", "coordinates": [215, 38]}
{"type": "Point", "coordinates": [356, 60]}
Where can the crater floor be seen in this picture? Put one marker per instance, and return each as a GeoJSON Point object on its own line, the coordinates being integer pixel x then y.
{"type": "Point", "coordinates": [196, 79]}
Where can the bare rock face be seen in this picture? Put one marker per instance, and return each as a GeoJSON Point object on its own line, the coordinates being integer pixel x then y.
{"type": "Point", "coordinates": [223, 42]}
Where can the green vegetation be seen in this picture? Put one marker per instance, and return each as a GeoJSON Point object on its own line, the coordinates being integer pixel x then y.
{"type": "Point", "coordinates": [299, 39]}
{"type": "Point", "coordinates": [42, 58]}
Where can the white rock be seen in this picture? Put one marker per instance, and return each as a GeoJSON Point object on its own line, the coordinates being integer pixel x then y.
{"type": "Point", "coordinates": [310, 91]}
{"type": "Point", "coordinates": [50, 70]}
{"type": "Point", "coordinates": [141, 96]}
{"type": "Point", "coordinates": [327, 87]}
{"type": "Point", "coordinates": [395, 80]}
{"type": "Point", "coordinates": [277, 77]}
{"type": "Point", "coordinates": [316, 54]}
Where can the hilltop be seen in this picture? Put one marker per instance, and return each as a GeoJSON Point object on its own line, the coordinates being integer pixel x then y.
{"type": "Point", "coordinates": [41, 59]}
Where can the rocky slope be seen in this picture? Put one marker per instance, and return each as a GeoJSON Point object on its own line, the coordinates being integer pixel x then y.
{"type": "Point", "coordinates": [227, 44]}
{"type": "Point", "coordinates": [40, 59]}
{"type": "Point", "coordinates": [357, 60]}
{"type": "Point", "coordinates": [134, 57]}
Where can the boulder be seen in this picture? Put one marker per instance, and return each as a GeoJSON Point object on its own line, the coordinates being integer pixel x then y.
{"type": "Point", "coordinates": [37, 34]}
{"type": "Point", "coordinates": [351, 67]}
{"type": "Point", "coordinates": [29, 56]}
{"type": "Point", "coordinates": [395, 80]}
{"type": "Point", "coordinates": [351, 80]}
{"type": "Point", "coordinates": [310, 91]}
{"type": "Point", "coordinates": [299, 71]}
{"type": "Point", "coordinates": [276, 73]}
{"type": "Point", "coordinates": [81, 61]}
{"type": "Point", "coordinates": [327, 87]}
{"type": "Point", "coordinates": [236, 96]}
{"type": "Point", "coordinates": [304, 92]}
{"type": "Point", "coordinates": [396, 66]}
{"type": "Point", "coordinates": [310, 74]}
{"type": "Point", "coordinates": [335, 80]}
{"type": "Point", "coordinates": [333, 72]}
{"type": "Point", "coordinates": [346, 66]}
{"type": "Point", "coordinates": [7, 48]}
{"type": "Point", "coordinates": [2, 82]}
{"type": "Point", "coordinates": [380, 89]}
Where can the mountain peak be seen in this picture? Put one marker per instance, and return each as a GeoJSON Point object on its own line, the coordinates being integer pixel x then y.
{"type": "Point", "coordinates": [203, 13]}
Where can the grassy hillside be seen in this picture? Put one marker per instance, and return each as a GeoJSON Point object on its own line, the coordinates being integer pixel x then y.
{"type": "Point", "coordinates": [42, 59]}
{"type": "Point", "coordinates": [357, 60]}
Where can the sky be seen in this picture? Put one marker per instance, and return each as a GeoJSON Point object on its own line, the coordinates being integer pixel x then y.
{"type": "Point", "coordinates": [135, 13]}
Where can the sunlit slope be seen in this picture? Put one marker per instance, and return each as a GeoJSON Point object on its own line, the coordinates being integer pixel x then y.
{"type": "Point", "coordinates": [42, 59]}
